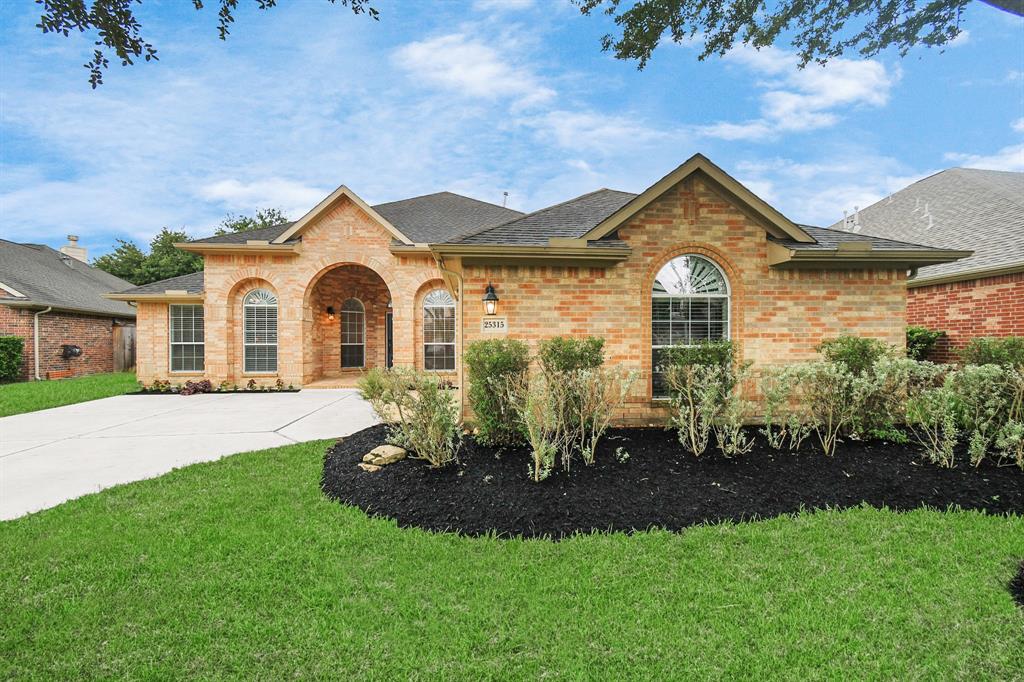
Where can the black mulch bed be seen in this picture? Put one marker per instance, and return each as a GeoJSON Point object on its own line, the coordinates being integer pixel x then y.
{"type": "Point", "coordinates": [659, 486]}
{"type": "Point", "coordinates": [1017, 586]}
{"type": "Point", "coordinates": [147, 391]}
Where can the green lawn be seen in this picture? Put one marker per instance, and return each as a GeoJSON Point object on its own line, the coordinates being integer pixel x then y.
{"type": "Point", "coordinates": [40, 395]}
{"type": "Point", "coordinates": [241, 569]}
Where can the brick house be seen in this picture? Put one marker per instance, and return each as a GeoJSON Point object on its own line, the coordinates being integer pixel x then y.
{"type": "Point", "coordinates": [54, 299]}
{"type": "Point", "coordinates": [350, 286]}
{"type": "Point", "coordinates": [965, 209]}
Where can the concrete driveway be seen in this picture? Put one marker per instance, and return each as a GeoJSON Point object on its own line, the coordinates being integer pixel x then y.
{"type": "Point", "coordinates": [50, 456]}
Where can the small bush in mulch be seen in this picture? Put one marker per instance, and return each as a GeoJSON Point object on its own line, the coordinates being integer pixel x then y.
{"type": "Point", "coordinates": [658, 485]}
{"type": "Point", "coordinates": [1017, 586]}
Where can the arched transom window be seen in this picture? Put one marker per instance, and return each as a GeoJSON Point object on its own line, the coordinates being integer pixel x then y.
{"type": "Point", "coordinates": [438, 331]}
{"type": "Point", "coordinates": [260, 329]}
{"type": "Point", "coordinates": [353, 334]}
{"type": "Point", "coordinates": [689, 304]}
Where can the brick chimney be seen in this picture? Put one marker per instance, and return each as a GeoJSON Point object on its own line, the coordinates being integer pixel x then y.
{"type": "Point", "coordinates": [74, 250]}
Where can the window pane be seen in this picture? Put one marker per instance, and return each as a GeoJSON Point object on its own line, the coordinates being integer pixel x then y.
{"type": "Point", "coordinates": [352, 356]}
{"type": "Point", "coordinates": [438, 356]}
{"type": "Point", "coordinates": [186, 338]}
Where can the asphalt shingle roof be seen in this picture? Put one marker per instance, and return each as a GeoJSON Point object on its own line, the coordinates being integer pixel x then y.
{"type": "Point", "coordinates": [827, 239]}
{"type": "Point", "coordinates": [970, 210]}
{"type": "Point", "coordinates": [47, 277]}
{"type": "Point", "coordinates": [263, 233]}
{"type": "Point", "coordinates": [569, 219]}
{"type": "Point", "coordinates": [192, 284]}
{"type": "Point", "coordinates": [443, 217]}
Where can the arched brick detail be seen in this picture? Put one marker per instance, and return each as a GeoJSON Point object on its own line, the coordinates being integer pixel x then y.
{"type": "Point", "coordinates": [425, 288]}
{"type": "Point", "coordinates": [736, 298]}
{"type": "Point", "coordinates": [235, 351]}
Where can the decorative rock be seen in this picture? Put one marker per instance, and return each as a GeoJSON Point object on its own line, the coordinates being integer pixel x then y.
{"type": "Point", "coordinates": [369, 468]}
{"type": "Point", "coordinates": [385, 454]}
{"type": "Point", "coordinates": [369, 457]}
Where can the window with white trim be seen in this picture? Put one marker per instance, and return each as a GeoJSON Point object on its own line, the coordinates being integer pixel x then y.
{"type": "Point", "coordinates": [353, 334]}
{"type": "Point", "coordinates": [186, 338]}
{"type": "Point", "coordinates": [438, 331]}
{"type": "Point", "coordinates": [689, 304]}
{"type": "Point", "coordinates": [260, 330]}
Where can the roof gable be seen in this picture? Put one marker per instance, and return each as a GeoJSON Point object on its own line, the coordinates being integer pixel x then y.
{"type": "Point", "coordinates": [777, 224]}
{"type": "Point", "coordinates": [329, 202]}
{"type": "Point", "coordinates": [443, 216]}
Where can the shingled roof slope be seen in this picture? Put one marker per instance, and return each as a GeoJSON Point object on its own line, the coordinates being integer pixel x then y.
{"type": "Point", "coordinates": [959, 208]}
{"type": "Point", "coordinates": [191, 283]}
{"type": "Point", "coordinates": [46, 277]}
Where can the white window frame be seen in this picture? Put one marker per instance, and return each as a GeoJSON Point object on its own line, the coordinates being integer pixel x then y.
{"type": "Point", "coordinates": [727, 322]}
{"type": "Point", "coordinates": [171, 343]}
{"type": "Point", "coordinates": [259, 299]}
{"type": "Point", "coordinates": [362, 332]}
{"type": "Point", "coordinates": [450, 303]}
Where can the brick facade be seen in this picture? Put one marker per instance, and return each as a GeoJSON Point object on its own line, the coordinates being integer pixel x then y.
{"type": "Point", "coordinates": [991, 306]}
{"type": "Point", "coordinates": [94, 335]}
{"type": "Point", "coordinates": [776, 316]}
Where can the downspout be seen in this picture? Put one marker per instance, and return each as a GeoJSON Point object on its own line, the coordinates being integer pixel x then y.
{"type": "Point", "coordinates": [35, 338]}
{"type": "Point", "coordinates": [462, 324]}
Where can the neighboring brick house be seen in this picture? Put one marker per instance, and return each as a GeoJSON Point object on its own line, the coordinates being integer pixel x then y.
{"type": "Point", "coordinates": [54, 299]}
{"type": "Point", "coordinates": [965, 209]}
{"type": "Point", "coordinates": [695, 256]}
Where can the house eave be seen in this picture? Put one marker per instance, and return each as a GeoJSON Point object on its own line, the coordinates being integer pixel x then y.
{"type": "Point", "coordinates": [780, 256]}
{"type": "Point", "coordinates": [247, 247]}
{"type": "Point", "coordinates": [169, 296]}
{"type": "Point", "coordinates": [472, 254]}
{"type": "Point", "coordinates": [966, 275]}
{"type": "Point", "coordinates": [56, 307]}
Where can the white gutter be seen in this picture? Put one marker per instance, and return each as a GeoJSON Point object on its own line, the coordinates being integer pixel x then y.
{"type": "Point", "coordinates": [35, 338]}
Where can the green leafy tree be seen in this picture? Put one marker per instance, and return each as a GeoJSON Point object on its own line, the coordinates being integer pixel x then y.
{"type": "Point", "coordinates": [820, 30]}
{"type": "Point", "coordinates": [166, 260]}
{"type": "Point", "coordinates": [264, 217]}
{"type": "Point", "coordinates": [125, 262]}
{"type": "Point", "coordinates": [118, 32]}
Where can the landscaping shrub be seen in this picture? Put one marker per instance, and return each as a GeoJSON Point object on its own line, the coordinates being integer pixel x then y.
{"type": "Point", "coordinates": [786, 420]}
{"type": "Point", "coordinates": [703, 399]}
{"type": "Point", "coordinates": [921, 341]}
{"type": "Point", "coordinates": [193, 387]}
{"type": "Point", "coordinates": [420, 411]}
{"type": "Point", "coordinates": [931, 416]}
{"type": "Point", "coordinates": [858, 354]}
{"type": "Point", "coordinates": [12, 350]}
{"type": "Point", "coordinates": [537, 406]}
{"type": "Point", "coordinates": [1007, 351]}
{"type": "Point", "coordinates": [981, 404]}
{"type": "Point", "coordinates": [565, 354]}
{"type": "Point", "coordinates": [833, 396]}
{"type": "Point", "coordinates": [490, 365]}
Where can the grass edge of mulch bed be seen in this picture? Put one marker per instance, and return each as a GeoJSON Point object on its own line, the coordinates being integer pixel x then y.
{"type": "Point", "coordinates": [488, 492]}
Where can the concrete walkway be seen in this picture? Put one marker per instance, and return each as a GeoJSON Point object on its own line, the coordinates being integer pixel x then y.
{"type": "Point", "coordinates": [51, 456]}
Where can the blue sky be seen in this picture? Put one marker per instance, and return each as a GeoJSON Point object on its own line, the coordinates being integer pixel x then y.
{"type": "Point", "coordinates": [477, 97]}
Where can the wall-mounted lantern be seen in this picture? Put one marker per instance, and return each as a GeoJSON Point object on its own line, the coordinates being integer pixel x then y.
{"type": "Point", "coordinates": [490, 300]}
{"type": "Point", "coordinates": [330, 313]}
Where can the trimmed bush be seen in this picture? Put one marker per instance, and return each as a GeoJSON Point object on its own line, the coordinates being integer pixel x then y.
{"type": "Point", "coordinates": [921, 341]}
{"type": "Point", "coordinates": [703, 397]}
{"type": "Point", "coordinates": [566, 354]}
{"type": "Point", "coordinates": [857, 353]}
{"type": "Point", "coordinates": [1006, 351]}
{"type": "Point", "coordinates": [490, 365]}
{"type": "Point", "coordinates": [420, 411]}
{"type": "Point", "coordinates": [12, 350]}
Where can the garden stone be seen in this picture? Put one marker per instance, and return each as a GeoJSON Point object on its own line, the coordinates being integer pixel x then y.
{"type": "Point", "coordinates": [385, 454]}
{"type": "Point", "coordinates": [369, 457]}
{"type": "Point", "coordinates": [369, 468]}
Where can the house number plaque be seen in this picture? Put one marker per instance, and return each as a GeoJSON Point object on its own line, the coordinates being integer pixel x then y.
{"type": "Point", "coordinates": [494, 325]}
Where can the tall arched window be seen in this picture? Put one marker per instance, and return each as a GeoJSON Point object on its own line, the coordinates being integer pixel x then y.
{"type": "Point", "coordinates": [689, 304]}
{"type": "Point", "coordinates": [438, 331]}
{"type": "Point", "coordinates": [353, 334]}
{"type": "Point", "coordinates": [260, 329]}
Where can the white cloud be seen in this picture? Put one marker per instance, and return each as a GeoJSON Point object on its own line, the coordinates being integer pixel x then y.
{"type": "Point", "coordinates": [793, 99]}
{"type": "Point", "coordinates": [961, 39]}
{"type": "Point", "coordinates": [294, 198]}
{"type": "Point", "coordinates": [466, 66]}
{"type": "Point", "coordinates": [502, 5]}
{"type": "Point", "coordinates": [1010, 158]}
{"type": "Point", "coordinates": [1018, 125]}
{"type": "Point", "coordinates": [593, 131]}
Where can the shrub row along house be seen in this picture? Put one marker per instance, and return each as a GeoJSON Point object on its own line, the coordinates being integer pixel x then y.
{"type": "Point", "coordinates": [349, 286]}
{"type": "Point", "coordinates": [54, 301]}
{"type": "Point", "coordinates": [966, 209]}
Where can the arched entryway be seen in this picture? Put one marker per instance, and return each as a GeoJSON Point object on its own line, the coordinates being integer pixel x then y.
{"type": "Point", "coordinates": [349, 310]}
